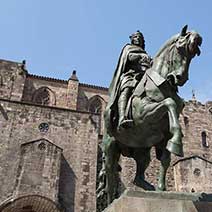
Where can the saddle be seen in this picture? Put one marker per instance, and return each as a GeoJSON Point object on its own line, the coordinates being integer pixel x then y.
{"type": "Point", "coordinates": [140, 88]}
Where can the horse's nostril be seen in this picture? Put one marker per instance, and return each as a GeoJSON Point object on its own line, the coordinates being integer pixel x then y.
{"type": "Point", "coordinates": [178, 77]}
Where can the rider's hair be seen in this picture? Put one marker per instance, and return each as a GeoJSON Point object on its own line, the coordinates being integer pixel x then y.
{"type": "Point", "coordinates": [141, 35]}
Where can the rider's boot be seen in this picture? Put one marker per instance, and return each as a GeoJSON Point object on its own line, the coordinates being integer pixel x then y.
{"type": "Point", "coordinates": [124, 122]}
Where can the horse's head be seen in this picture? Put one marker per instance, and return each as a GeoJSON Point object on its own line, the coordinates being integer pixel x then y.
{"type": "Point", "coordinates": [188, 43]}
{"type": "Point", "coordinates": [174, 58]}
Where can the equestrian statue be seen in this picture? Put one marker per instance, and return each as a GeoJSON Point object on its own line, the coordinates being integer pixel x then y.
{"type": "Point", "coordinates": [144, 107]}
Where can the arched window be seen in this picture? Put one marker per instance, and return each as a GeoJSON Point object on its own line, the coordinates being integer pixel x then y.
{"type": "Point", "coordinates": [186, 121]}
{"type": "Point", "coordinates": [95, 105]}
{"type": "Point", "coordinates": [44, 96]}
{"type": "Point", "coordinates": [30, 203]}
{"type": "Point", "coordinates": [1, 80]}
{"type": "Point", "coordinates": [204, 139]}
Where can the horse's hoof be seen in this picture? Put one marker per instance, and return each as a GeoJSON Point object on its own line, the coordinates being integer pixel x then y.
{"type": "Point", "coordinates": [100, 194]}
{"type": "Point", "coordinates": [144, 184]}
{"type": "Point", "coordinates": [160, 188]}
{"type": "Point", "coordinates": [175, 148]}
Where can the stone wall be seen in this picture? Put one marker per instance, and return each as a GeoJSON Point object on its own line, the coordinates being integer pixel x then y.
{"type": "Point", "coordinates": [72, 93]}
{"type": "Point", "coordinates": [196, 121]}
{"type": "Point", "coordinates": [74, 132]}
{"type": "Point", "coordinates": [93, 99]}
{"type": "Point", "coordinates": [38, 170]}
{"type": "Point", "coordinates": [57, 90]}
{"type": "Point", "coordinates": [193, 174]}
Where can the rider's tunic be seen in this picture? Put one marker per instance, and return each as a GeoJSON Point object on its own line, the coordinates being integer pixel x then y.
{"type": "Point", "coordinates": [135, 69]}
{"type": "Point", "coordinates": [132, 65]}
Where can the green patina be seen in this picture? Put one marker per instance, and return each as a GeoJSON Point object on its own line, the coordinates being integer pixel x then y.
{"type": "Point", "coordinates": [144, 107]}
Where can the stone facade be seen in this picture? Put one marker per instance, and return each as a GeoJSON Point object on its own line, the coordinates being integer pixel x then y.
{"type": "Point", "coordinates": [29, 168]}
{"type": "Point", "coordinates": [193, 174]}
{"type": "Point", "coordinates": [50, 131]}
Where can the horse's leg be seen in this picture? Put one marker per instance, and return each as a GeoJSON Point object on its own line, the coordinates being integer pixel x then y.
{"type": "Point", "coordinates": [165, 160]}
{"type": "Point", "coordinates": [175, 143]}
{"type": "Point", "coordinates": [142, 158]}
{"type": "Point", "coordinates": [112, 155]}
{"type": "Point", "coordinates": [168, 105]}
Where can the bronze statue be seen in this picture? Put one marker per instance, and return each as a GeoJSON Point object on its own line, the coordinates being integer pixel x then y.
{"type": "Point", "coordinates": [133, 62]}
{"type": "Point", "coordinates": [154, 107]}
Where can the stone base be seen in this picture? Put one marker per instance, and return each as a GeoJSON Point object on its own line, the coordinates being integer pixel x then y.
{"type": "Point", "coordinates": [137, 200]}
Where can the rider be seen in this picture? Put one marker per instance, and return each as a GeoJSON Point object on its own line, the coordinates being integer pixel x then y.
{"type": "Point", "coordinates": [133, 62]}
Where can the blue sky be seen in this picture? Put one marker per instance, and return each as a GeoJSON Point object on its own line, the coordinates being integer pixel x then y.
{"type": "Point", "coordinates": [56, 37]}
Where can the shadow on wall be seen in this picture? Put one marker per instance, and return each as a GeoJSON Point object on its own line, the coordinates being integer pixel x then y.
{"type": "Point", "coordinates": [28, 91]}
{"type": "Point", "coordinates": [82, 101]}
{"type": "Point", "coordinates": [66, 186]}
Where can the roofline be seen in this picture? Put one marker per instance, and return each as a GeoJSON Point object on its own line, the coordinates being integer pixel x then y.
{"type": "Point", "coordinates": [10, 61]}
{"type": "Point", "coordinates": [41, 139]}
{"type": "Point", "coordinates": [66, 81]}
{"type": "Point", "coordinates": [93, 86]}
{"type": "Point", "coordinates": [47, 78]}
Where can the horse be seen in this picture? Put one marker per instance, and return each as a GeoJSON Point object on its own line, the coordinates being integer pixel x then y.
{"type": "Point", "coordinates": [154, 107]}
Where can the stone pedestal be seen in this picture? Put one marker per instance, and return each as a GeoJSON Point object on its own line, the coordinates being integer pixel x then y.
{"type": "Point", "coordinates": [137, 200]}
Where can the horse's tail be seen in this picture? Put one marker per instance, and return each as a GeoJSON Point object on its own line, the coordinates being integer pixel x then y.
{"type": "Point", "coordinates": [107, 121]}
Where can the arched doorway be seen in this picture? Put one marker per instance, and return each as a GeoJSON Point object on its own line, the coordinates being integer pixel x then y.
{"type": "Point", "coordinates": [30, 203]}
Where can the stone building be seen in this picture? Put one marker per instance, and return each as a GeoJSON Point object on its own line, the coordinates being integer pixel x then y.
{"type": "Point", "coordinates": [50, 131]}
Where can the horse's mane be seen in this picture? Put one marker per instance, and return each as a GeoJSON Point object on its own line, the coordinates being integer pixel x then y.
{"type": "Point", "coordinates": [168, 44]}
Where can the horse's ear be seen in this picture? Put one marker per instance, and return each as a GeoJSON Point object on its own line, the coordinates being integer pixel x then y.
{"type": "Point", "coordinates": [183, 31]}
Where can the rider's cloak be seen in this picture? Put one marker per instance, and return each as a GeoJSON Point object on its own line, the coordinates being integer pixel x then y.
{"type": "Point", "coordinates": [111, 112]}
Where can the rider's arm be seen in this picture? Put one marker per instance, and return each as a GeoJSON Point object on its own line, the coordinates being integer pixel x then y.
{"type": "Point", "coordinates": [134, 57]}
